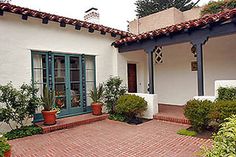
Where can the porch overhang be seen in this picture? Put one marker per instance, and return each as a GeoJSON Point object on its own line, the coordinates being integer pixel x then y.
{"type": "Point", "coordinates": [197, 36]}
{"type": "Point", "coordinates": [192, 36]}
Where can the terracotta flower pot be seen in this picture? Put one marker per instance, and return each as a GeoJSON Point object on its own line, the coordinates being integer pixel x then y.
{"type": "Point", "coordinates": [7, 153]}
{"type": "Point", "coordinates": [49, 117]}
{"type": "Point", "coordinates": [96, 108]}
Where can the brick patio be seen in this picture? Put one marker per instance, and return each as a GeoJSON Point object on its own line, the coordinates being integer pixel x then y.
{"type": "Point", "coordinates": [109, 138]}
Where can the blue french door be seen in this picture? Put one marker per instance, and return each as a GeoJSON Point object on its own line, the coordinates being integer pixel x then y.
{"type": "Point", "coordinates": [70, 76]}
{"type": "Point", "coordinates": [67, 83]}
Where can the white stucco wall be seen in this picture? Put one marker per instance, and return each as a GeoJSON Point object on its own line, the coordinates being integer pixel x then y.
{"type": "Point", "coordinates": [19, 37]}
{"type": "Point", "coordinates": [218, 84]}
{"type": "Point", "coordinates": [152, 104]}
{"type": "Point", "coordinates": [219, 61]}
{"type": "Point", "coordinates": [175, 83]}
{"type": "Point", "coordinates": [140, 59]}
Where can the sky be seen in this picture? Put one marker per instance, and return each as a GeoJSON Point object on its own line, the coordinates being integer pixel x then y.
{"type": "Point", "coordinates": [113, 13]}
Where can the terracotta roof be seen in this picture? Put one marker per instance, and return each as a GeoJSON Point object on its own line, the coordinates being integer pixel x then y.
{"type": "Point", "coordinates": [188, 25]}
{"type": "Point", "coordinates": [60, 19]}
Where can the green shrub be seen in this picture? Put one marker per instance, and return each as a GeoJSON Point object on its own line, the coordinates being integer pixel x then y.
{"type": "Point", "coordinates": [214, 7]}
{"type": "Point", "coordinates": [4, 146]}
{"type": "Point", "coordinates": [23, 132]}
{"type": "Point", "coordinates": [224, 143]}
{"type": "Point", "coordinates": [197, 112]}
{"type": "Point", "coordinates": [226, 93]}
{"type": "Point", "coordinates": [19, 104]}
{"type": "Point", "coordinates": [186, 132]}
{"type": "Point", "coordinates": [117, 117]}
{"type": "Point", "coordinates": [113, 90]}
{"type": "Point", "coordinates": [222, 109]}
{"type": "Point", "coordinates": [131, 105]}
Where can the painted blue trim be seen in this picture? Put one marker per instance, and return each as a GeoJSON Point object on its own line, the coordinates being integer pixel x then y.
{"type": "Point", "coordinates": [95, 76]}
{"type": "Point", "coordinates": [84, 91]}
{"type": "Point", "coordinates": [32, 68]}
{"type": "Point", "coordinates": [150, 71]}
{"type": "Point", "coordinates": [78, 109]}
{"type": "Point", "coordinates": [180, 37]}
{"type": "Point", "coordinates": [69, 111]}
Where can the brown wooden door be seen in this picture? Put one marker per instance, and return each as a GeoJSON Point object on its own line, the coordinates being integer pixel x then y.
{"type": "Point", "coordinates": [132, 78]}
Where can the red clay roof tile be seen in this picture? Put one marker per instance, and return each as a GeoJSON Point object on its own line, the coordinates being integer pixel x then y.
{"type": "Point", "coordinates": [192, 24]}
{"type": "Point", "coordinates": [56, 18]}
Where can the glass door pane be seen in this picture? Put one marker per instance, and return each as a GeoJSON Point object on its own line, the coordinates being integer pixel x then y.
{"type": "Point", "coordinates": [90, 76]}
{"type": "Point", "coordinates": [39, 72]}
{"type": "Point", "coordinates": [75, 81]}
{"type": "Point", "coordinates": [60, 81]}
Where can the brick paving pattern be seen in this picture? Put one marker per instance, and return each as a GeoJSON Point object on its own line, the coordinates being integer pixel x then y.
{"type": "Point", "coordinates": [111, 139]}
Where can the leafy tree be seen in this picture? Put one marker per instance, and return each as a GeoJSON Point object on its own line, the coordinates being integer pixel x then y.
{"type": "Point", "coordinates": [18, 104]}
{"type": "Point", "coordinates": [113, 90]}
{"type": "Point", "coordinates": [147, 7]}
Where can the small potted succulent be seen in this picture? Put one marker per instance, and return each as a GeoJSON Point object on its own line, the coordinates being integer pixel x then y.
{"type": "Point", "coordinates": [5, 147]}
{"type": "Point", "coordinates": [97, 95]}
{"type": "Point", "coordinates": [49, 110]}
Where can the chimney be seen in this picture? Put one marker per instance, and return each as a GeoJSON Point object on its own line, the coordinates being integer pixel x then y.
{"type": "Point", "coordinates": [92, 15]}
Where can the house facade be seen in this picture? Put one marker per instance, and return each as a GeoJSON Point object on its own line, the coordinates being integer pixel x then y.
{"type": "Point", "coordinates": [71, 56]}
{"type": "Point", "coordinates": [68, 55]}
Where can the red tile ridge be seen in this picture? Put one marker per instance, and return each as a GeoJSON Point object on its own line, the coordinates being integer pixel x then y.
{"type": "Point", "coordinates": [60, 19]}
{"type": "Point", "coordinates": [191, 24]}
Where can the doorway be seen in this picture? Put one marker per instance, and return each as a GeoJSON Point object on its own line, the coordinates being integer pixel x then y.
{"type": "Point", "coordinates": [70, 76]}
{"type": "Point", "coordinates": [132, 78]}
{"type": "Point", "coordinates": [67, 83]}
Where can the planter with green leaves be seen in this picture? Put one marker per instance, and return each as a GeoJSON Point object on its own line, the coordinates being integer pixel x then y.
{"type": "Point", "coordinates": [5, 147]}
{"type": "Point", "coordinates": [97, 95]}
{"type": "Point", "coordinates": [49, 112]}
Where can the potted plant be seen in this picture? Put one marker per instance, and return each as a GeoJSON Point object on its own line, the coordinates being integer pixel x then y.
{"type": "Point", "coordinates": [49, 111]}
{"type": "Point", "coordinates": [5, 147]}
{"type": "Point", "coordinates": [96, 95]}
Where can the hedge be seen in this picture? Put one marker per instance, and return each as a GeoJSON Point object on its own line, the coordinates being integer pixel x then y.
{"type": "Point", "coordinates": [226, 93]}
{"type": "Point", "coordinates": [205, 114]}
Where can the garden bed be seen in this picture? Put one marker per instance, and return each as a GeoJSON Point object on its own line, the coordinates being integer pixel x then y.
{"type": "Point", "coordinates": [24, 131]}
{"type": "Point", "coordinates": [122, 118]}
{"type": "Point", "coordinates": [138, 121]}
{"type": "Point", "coordinates": [206, 134]}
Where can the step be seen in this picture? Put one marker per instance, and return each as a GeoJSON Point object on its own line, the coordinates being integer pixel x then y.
{"type": "Point", "coordinates": [69, 122]}
{"type": "Point", "coordinates": [172, 119]}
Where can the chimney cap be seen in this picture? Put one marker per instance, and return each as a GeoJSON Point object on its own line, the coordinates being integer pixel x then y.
{"type": "Point", "coordinates": [91, 9]}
